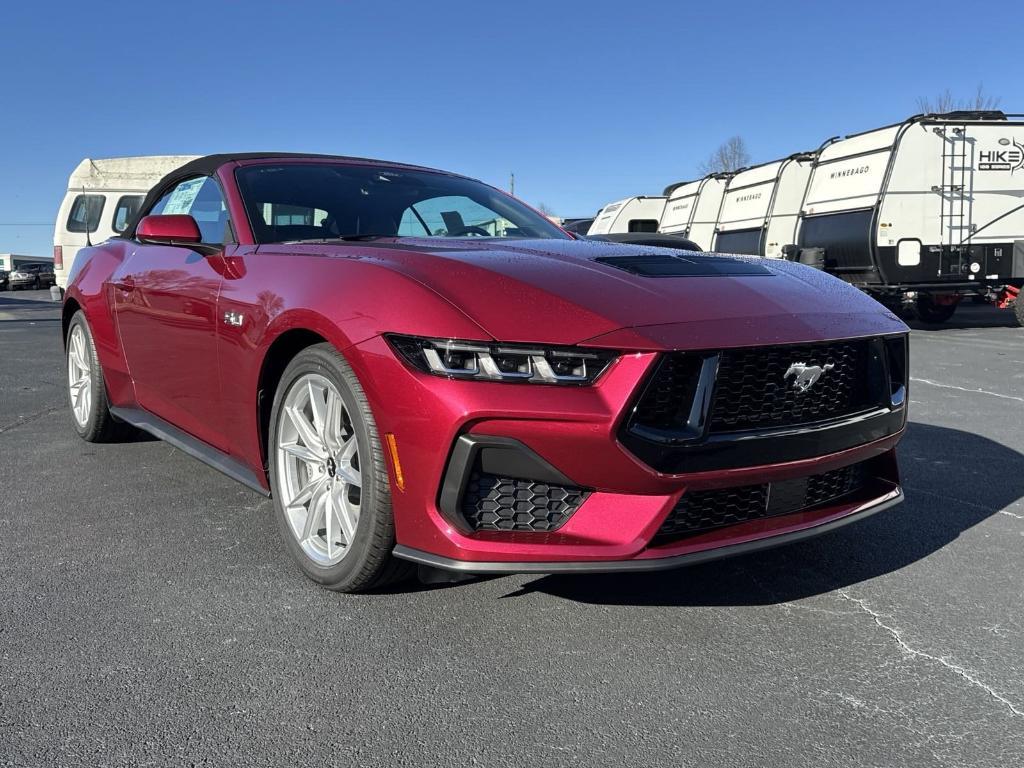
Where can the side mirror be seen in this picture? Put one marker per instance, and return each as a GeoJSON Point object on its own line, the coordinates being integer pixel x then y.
{"type": "Point", "coordinates": [790, 251]}
{"type": "Point", "coordinates": [169, 228]}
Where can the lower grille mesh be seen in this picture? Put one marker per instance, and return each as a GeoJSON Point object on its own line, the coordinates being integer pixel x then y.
{"type": "Point", "coordinates": [493, 503]}
{"type": "Point", "coordinates": [706, 510]}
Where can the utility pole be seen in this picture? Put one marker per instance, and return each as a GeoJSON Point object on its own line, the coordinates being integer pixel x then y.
{"type": "Point", "coordinates": [512, 184]}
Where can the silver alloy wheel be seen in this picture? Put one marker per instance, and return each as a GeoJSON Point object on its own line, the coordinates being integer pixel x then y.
{"type": "Point", "coordinates": [79, 376]}
{"type": "Point", "coordinates": [318, 469]}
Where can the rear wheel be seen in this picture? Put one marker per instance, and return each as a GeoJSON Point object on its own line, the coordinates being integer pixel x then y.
{"type": "Point", "coordinates": [332, 497]}
{"type": "Point", "coordinates": [87, 389]}
{"type": "Point", "coordinates": [930, 311]}
{"type": "Point", "coordinates": [1018, 310]}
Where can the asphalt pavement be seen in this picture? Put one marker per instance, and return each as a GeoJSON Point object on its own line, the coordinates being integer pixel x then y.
{"type": "Point", "coordinates": [150, 616]}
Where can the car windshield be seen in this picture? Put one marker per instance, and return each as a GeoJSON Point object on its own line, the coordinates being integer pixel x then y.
{"type": "Point", "coordinates": [323, 201]}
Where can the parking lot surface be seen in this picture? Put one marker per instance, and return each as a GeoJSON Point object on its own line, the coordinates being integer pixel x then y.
{"type": "Point", "coordinates": [150, 616]}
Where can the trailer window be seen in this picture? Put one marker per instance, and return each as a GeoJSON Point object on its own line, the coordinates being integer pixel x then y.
{"type": "Point", "coordinates": [126, 209]}
{"type": "Point", "coordinates": [85, 213]}
{"type": "Point", "coordinates": [745, 241]}
{"type": "Point", "coordinates": [846, 238]}
{"type": "Point", "coordinates": [643, 225]}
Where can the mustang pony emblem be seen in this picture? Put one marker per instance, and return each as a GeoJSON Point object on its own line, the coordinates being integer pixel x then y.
{"type": "Point", "coordinates": [805, 375]}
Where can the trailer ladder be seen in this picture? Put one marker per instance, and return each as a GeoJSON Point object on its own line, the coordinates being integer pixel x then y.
{"type": "Point", "coordinates": [956, 192]}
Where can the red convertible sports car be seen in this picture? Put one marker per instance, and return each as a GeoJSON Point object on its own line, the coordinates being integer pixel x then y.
{"type": "Point", "coordinates": [422, 370]}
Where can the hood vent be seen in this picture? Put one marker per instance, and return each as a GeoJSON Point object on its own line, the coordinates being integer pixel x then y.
{"type": "Point", "coordinates": [688, 265]}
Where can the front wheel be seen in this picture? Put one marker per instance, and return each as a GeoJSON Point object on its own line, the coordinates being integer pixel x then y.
{"type": "Point", "coordinates": [332, 498]}
{"type": "Point", "coordinates": [87, 389]}
{"type": "Point", "coordinates": [929, 311]}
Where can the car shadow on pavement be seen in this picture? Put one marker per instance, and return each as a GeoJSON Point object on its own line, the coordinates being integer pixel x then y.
{"type": "Point", "coordinates": [953, 481]}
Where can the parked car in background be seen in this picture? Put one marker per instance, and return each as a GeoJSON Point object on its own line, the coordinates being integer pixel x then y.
{"type": "Point", "coordinates": [4, 279]}
{"type": "Point", "coordinates": [102, 197]}
{"type": "Point", "coordinates": [419, 369]}
{"type": "Point", "coordinates": [31, 276]}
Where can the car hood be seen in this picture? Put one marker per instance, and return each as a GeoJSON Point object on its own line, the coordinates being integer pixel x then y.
{"type": "Point", "coordinates": [606, 294]}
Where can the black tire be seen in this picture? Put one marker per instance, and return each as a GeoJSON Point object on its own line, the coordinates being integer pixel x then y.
{"type": "Point", "coordinates": [930, 312]}
{"type": "Point", "coordinates": [369, 563]}
{"type": "Point", "coordinates": [100, 426]}
{"type": "Point", "coordinates": [1018, 310]}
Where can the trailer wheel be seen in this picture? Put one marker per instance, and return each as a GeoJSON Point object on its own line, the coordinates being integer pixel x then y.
{"type": "Point", "coordinates": [929, 311]}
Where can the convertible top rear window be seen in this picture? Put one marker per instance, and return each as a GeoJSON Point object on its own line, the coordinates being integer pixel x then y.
{"type": "Point", "coordinates": [312, 201]}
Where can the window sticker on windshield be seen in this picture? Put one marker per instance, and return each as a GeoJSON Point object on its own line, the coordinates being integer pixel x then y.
{"type": "Point", "coordinates": [183, 196]}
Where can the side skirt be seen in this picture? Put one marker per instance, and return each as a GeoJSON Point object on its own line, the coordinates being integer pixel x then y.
{"type": "Point", "coordinates": [194, 447]}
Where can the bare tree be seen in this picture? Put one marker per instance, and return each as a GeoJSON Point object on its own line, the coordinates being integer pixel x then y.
{"type": "Point", "coordinates": [545, 209]}
{"type": "Point", "coordinates": [947, 102]}
{"type": "Point", "coordinates": [730, 156]}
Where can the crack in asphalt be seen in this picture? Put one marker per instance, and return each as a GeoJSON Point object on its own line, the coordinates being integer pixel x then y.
{"type": "Point", "coordinates": [862, 605]}
{"type": "Point", "coordinates": [30, 418]}
{"type": "Point", "coordinates": [952, 666]}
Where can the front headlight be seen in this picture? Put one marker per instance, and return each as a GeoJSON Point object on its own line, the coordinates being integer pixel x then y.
{"type": "Point", "coordinates": [502, 362]}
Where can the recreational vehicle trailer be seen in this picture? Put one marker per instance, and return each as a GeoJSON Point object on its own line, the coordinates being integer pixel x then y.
{"type": "Point", "coordinates": [761, 207]}
{"type": "Point", "coordinates": [634, 214]}
{"type": "Point", "coordinates": [102, 197]}
{"type": "Point", "coordinates": [924, 211]}
{"type": "Point", "coordinates": [692, 208]}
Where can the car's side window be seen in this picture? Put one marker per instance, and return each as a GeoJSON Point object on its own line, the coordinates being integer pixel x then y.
{"type": "Point", "coordinates": [201, 199]}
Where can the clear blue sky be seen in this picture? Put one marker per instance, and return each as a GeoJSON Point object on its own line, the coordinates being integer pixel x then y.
{"type": "Point", "coordinates": [585, 101]}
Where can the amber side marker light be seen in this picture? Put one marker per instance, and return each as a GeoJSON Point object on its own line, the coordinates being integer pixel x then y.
{"type": "Point", "coordinates": [392, 444]}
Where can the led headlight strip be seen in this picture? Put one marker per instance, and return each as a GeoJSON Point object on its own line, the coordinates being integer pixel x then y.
{"type": "Point", "coordinates": [502, 362]}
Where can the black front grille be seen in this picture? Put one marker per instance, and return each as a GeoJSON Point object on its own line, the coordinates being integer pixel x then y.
{"type": "Point", "coordinates": [493, 503]}
{"type": "Point", "coordinates": [756, 387]}
{"type": "Point", "coordinates": [700, 511]}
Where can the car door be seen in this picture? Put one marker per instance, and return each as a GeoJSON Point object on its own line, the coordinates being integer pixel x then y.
{"type": "Point", "coordinates": [165, 302]}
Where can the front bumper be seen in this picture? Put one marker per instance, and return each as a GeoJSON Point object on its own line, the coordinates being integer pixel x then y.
{"type": "Point", "coordinates": [575, 433]}
{"type": "Point", "coordinates": [661, 562]}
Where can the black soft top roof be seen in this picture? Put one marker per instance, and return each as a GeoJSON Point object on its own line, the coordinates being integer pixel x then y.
{"type": "Point", "coordinates": [208, 165]}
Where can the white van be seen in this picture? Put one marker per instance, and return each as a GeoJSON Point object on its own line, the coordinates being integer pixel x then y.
{"type": "Point", "coordinates": [102, 198]}
{"type": "Point", "coordinates": [634, 214]}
